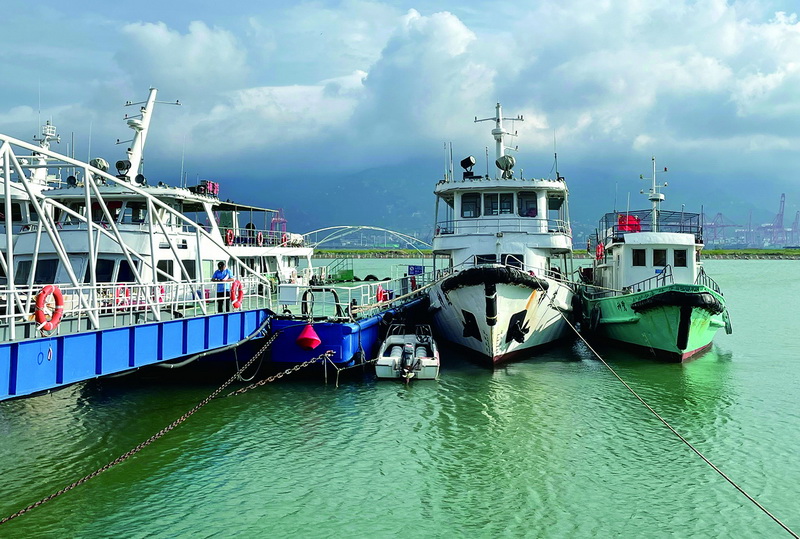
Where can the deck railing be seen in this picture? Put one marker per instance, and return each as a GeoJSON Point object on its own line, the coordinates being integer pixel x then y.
{"type": "Point", "coordinates": [113, 305]}
{"type": "Point", "coordinates": [355, 301]}
{"type": "Point", "coordinates": [704, 280]}
{"type": "Point", "coordinates": [511, 223]}
{"type": "Point", "coordinates": [663, 278]}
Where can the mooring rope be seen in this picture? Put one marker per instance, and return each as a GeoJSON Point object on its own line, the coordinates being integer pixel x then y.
{"type": "Point", "coordinates": [672, 429]}
{"type": "Point", "coordinates": [172, 425]}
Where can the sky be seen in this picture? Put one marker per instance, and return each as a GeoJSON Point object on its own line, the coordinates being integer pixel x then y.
{"type": "Point", "coordinates": [339, 111]}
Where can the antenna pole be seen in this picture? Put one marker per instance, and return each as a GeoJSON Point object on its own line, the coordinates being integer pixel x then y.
{"type": "Point", "coordinates": [555, 154]}
{"type": "Point", "coordinates": [183, 156]}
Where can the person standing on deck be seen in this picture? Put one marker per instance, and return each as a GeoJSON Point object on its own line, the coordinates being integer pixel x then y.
{"type": "Point", "coordinates": [223, 275]}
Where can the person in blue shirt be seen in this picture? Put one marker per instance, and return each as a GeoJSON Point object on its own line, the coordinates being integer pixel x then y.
{"type": "Point", "coordinates": [223, 275]}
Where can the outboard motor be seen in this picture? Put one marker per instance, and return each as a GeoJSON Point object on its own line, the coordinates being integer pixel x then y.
{"type": "Point", "coordinates": [407, 364]}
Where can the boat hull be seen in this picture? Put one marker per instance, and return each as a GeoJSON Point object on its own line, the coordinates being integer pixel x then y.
{"type": "Point", "coordinates": [500, 313]}
{"type": "Point", "coordinates": [673, 322]}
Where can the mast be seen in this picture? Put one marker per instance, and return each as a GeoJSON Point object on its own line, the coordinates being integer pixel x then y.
{"type": "Point", "coordinates": [503, 162]}
{"type": "Point", "coordinates": [655, 197]}
{"type": "Point", "coordinates": [140, 125]}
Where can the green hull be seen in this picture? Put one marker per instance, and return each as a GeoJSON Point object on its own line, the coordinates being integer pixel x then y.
{"type": "Point", "coordinates": [673, 322]}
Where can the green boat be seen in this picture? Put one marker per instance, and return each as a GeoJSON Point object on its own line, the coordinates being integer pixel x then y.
{"type": "Point", "coordinates": [647, 287]}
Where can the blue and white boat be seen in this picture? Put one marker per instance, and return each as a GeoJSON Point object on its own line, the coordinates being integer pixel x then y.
{"type": "Point", "coordinates": [113, 273]}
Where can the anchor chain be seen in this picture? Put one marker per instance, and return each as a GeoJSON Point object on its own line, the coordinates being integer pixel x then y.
{"type": "Point", "coordinates": [168, 428]}
{"type": "Point", "coordinates": [324, 356]}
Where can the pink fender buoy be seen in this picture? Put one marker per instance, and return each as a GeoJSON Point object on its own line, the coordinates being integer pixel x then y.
{"type": "Point", "coordinates": [308, 338]}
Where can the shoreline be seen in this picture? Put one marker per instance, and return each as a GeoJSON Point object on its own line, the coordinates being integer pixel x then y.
{"type": "Point", "coordinates": [579, 255]}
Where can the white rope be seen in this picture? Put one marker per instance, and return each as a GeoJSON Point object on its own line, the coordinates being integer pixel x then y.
{"type": "Point", "coordinates": [675, 432]}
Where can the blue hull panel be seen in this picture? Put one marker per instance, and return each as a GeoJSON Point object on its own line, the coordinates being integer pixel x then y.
{"type": "Point", "coordinates": [347, 340]}
{"type": "Point", "coordinates": [48, 363]}
{"type": "Point", "coordinates": [344, 339]}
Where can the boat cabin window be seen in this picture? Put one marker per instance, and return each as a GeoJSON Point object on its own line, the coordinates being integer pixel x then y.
{"type": "Point", "coordinates": [470, 205]}
{"type": "Point", "coordinates": [103, 271]}
{"type": "Point", "coordinates": [491, 204]}
{"type": "Point", "coordinates": [191, 268]}
{"type": "Point", "coordinates": [515, 261]}
{"type": "Point", "coordinates": [485, 259]}
{"type": "Point", "coordinates": [45, 271]}
{"type": "Point", "coordinates": [32, 215]}
{"type": "Point", "coordinates": [16, 213]}
{"type": "Point", "coordinates": [208, 267]}
{"type": "Point", "coordinates": [659, 257]}
{"type": "Point", "coordinates": [639, 258]}
{"type": "Point", "coordinates": [165, 266]}
{"type": "Point", "coordinates": [526, 205]}
{"type": "Point", "coordinates": [134, 212]}
{"type": "Point", "coordinates": [125, 273]}
{"type": "Point", "coordinates": [679, 258]}
{"type": "Point", "coordinates": [113, 209]}
{"type": "Point", "coordinates": [23, 270]}
{"type": "Point", "coordinates": [498, 203]}
{"type": "Point", "coordinates": [506, 203]}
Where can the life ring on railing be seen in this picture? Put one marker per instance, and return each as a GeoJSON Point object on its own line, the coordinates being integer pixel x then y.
{"type": "Point", "coordinates": [413, 283]}
{"type": "Point", "coordinates": [260, 239]}
{"type": "Point", "coordinates": [237, 294]}
{"type": "Point", "coordinates": [55, 318]}
{"type": "Point", "coordinates": [229, 237]}
{"type": "Point", "coordinates": [122, 295]}
{"type": "Point", "coordinates": [599, 251]}
{"type": "Point", "coordinates": [284, 239]}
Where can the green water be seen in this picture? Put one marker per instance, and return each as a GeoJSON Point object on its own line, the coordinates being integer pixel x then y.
{"type": "Point", "coordinates": [547, 447]}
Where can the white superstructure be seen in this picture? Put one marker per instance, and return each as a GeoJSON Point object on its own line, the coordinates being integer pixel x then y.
{"type": "Point", "coordinates": [504, 246]}
{"type": "Point", "coordinates": [97, 228]}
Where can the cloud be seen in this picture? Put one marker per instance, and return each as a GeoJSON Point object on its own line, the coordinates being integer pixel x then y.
{"type": "Point", "coordinates": [286, 116]}
{"type": "Point", "coordinates": [426, 82]}
{"type": "Point", "coordinates": [203, 60]}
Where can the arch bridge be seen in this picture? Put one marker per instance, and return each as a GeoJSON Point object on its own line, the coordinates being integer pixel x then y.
{"type": "Point", "coordinates": [317, 238]}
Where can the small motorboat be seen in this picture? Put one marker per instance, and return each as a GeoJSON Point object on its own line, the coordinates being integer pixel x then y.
{"type": "Point", "coordinates": [408, 352]}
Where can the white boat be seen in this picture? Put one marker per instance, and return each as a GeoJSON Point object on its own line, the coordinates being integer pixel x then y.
{"type": "Point", "coordinates": [506, 246]}
{"type": "Point", "coordinates": [408, 353]}
{"type": "Point", "coordinates": [138, 234]}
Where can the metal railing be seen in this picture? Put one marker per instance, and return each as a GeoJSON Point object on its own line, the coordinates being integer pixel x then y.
{"type": "Point", "coordinates": [704, 280]}
{"type": "Point", "coordinates": [113, 305]}
{"type": "Point", "coordinates": [665, 277]}
{"type": "Point", "coordinates": [358, 301]}
{"type": "Point", "coordinates": [614, 225]}
{"type": "Point", "coordinates": [512, 223]}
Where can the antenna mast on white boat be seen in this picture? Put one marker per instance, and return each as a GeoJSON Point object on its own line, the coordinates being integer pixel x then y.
{"type": "Point", "coordinates": [503, 163]}
{"type": "Point", "coordinates": [140, 125]}
{"type": "Point", "coordinates": [654, 196]}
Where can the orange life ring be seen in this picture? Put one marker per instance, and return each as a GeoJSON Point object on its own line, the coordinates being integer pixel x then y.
{"type": "Point", "coordinates": [599, 251]}
{"type": "Point", "coordinates": [260, 239]}
{"type": "Point", "coordinates": [40, 316]}
{"type": "Point", "coordinates": [122, 295]}
{"type": "Point", "coordinates": [237, 294]}
{"type": "Point", "coordinates": [284, 239]}
{"type": "Point", "coordinates": [229, 237]}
